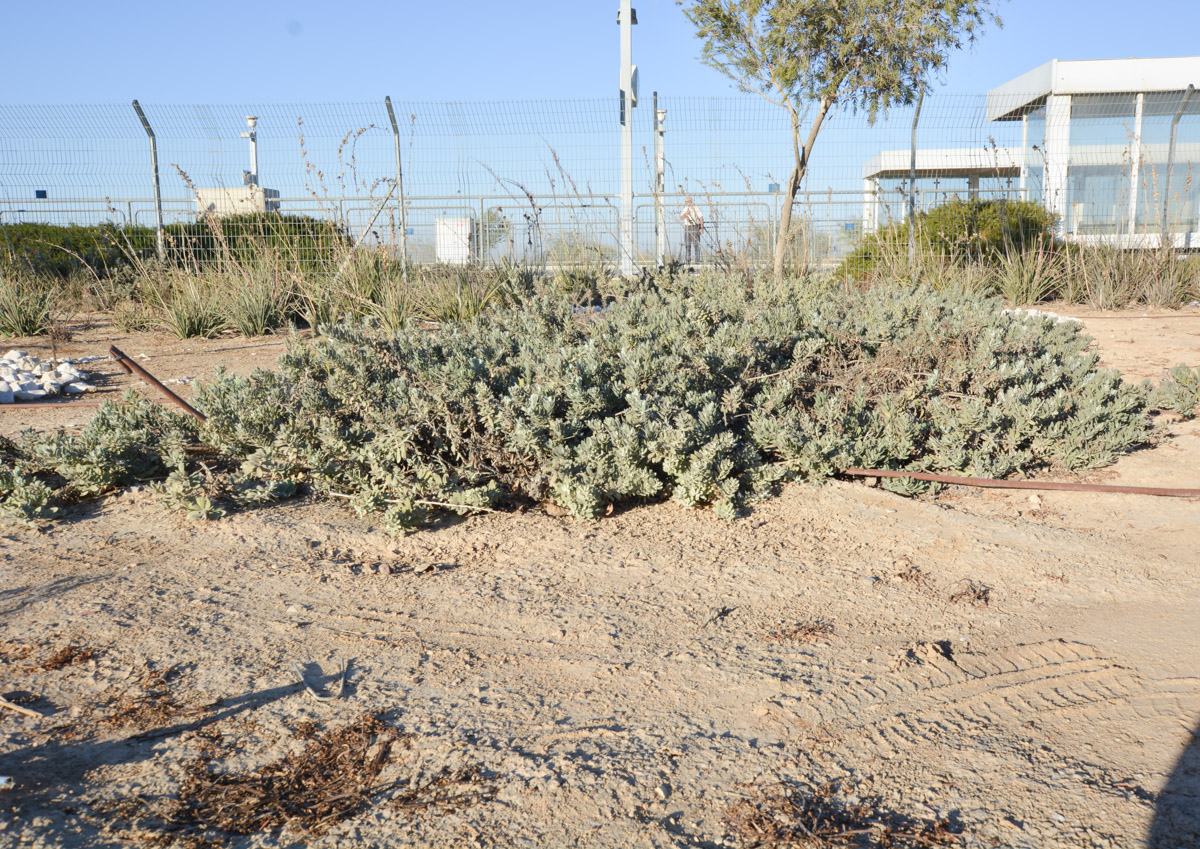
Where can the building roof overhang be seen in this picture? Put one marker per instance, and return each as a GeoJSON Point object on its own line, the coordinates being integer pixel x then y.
{"type": "Point", "coordinates": [1010, 101]}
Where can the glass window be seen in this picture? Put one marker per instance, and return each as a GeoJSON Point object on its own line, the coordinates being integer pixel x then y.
{"type": "Point", "coordinates": [1035, 156]}
{"type": "Point", "coordinates": [1177, 193]}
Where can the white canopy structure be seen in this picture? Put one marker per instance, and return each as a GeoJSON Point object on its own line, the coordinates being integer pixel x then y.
{"type": "Point", "coordinates": [1110, 146]}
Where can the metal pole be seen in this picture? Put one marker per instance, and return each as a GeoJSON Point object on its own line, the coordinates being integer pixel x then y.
{"type": "Point", "coordinates": [400, 187]}
{"type": "Point", "coordinates": [1187, 95]}
{"type": "Point", "coordinates": [251, 122]}
{"type": "Point", "coordinates": [625, 19]}
{"type": "Point", "coordinates": [160, 246]}
{"type": "Point", "coordinates": [660, 184]}
{"type": "Point", "coordinates": [1024, 155]}
{"type": "Point", "coordinates": [363, 235]}
{"type": "Point", "coordinates": [1135, 161]}
{"type": "Point", "coordinates": [912, 184]}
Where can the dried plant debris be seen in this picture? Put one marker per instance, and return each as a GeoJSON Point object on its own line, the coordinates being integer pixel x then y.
{"type": "Point", "coordinates": [461, 786]}
{"type": "Point", "coordinates": [66, 656]}
{"type": "Point", "coordinates": [912, 574]}
{"type": "Point", "coordinates": [815, 818]}
{"type": "Point", "coordinates": [335, 776]}
{"type": "Point", "coordinates": [305, 729]}
{"type": "Point", "coordinates": [331, 779]}
{"type": "Point", "coordinates": [155, 705]}
{"type": "Point", "coordinates": [802, 632]}
{"type": "Point", "coordinates": [972, 593]}
{"type": "Point", "coordinates": [11, 652]}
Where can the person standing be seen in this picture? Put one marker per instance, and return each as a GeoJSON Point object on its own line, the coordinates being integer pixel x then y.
{"type": "Point", "coordinates": [693, 226]}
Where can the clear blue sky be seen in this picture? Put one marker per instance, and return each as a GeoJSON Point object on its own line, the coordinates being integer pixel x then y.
{"type": "Point", "coordinates": [83, 51]}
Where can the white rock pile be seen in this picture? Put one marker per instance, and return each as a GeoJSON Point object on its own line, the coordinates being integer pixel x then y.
{"type": "Point", "coordinates": [26, 378]}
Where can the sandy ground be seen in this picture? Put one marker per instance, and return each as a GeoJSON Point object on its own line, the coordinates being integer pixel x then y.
{"type": "Point", "coordinates": [1026, 667]}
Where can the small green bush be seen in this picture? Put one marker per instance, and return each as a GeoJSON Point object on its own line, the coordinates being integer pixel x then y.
{"type": "Point", "coordinates": [961, 230]}
{"type": "Point", "coordinates": [192, 306]}
{"type": "Point", "coordinates": [1179, 392]}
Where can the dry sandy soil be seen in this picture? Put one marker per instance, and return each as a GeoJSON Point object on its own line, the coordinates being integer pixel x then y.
{"type": "Point", "coordinates": [1025, 667]}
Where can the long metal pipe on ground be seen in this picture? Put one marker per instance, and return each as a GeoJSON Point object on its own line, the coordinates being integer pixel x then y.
{"type": "Point", "coordinates": [131, 367]}
{"type": "Point", "coordinates": [993, 483]}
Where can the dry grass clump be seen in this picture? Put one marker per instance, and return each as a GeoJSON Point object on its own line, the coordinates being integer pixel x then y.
{"type": "Point", "coordinates": [153, 705]}
{"type": "Point", "coordinates": [972, 593]}
{"type": "Point", "coordinates": [333, 778]}
{"type": "Point", "coordinates": [815, 818]}
{"type": "Point", "coordinates": [330, 780]}
{"type": "Point", "coordinates": [66, 656]}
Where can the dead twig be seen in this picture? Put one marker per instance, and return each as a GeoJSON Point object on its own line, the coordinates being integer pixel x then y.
{"type": "Point", "coordinates": [5, 703]}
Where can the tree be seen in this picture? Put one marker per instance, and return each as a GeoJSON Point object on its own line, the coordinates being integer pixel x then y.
{"type": "Point", "coordinates": [802, 54]}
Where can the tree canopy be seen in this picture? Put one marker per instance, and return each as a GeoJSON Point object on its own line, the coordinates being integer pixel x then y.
{"type": "Point", "coordinates": [865, 54]}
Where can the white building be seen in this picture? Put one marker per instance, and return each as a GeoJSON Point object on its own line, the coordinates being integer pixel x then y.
{"type": "Point", "coordinates": [1111, 146]}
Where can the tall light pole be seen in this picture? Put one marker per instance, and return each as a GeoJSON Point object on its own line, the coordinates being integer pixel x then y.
{"type": "Point", "coordinates": [627, 17]}
{"type": "Point", "coordinates": [252, 134]}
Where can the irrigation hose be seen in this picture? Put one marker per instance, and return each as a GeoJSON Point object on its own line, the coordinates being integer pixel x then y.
{"type": "Point", "coordinates": [993, 483]}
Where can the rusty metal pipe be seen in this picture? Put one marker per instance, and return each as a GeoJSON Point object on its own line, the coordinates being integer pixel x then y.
{"type": "Point", "coordinates": [62, 404]}
{"type": "Point", "coordinates": [993, 483]}
{"type": "Point", "coordinates": [131, 367]}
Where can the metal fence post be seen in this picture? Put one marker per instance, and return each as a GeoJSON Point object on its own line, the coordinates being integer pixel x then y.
{"type": "Point", "coordinates": [160, 246]}
{"type": "Point", "coordinates": [400, 189]}
{"type": "Point", "coordinates": [660, 184]}
{"type": "Point", "coordinates": [627, 104]}
{"type": "Point", "coordinates": [912, 184]}
{"type": "Point", "coordinates": [1187, 95]}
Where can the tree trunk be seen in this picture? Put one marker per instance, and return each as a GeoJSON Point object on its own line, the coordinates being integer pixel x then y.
{"type": "Point", "coordinates": [798, 171]}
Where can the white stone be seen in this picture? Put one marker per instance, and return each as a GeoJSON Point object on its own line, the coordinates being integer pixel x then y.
{"type": "Point", "coordinates": [31, 394]}
{"type": "Point", "coordinates": [6, 395]}
{"type": "Point", "coordinates": [15, 355]}
{"type": "Point", "coordinates": [78, 388]}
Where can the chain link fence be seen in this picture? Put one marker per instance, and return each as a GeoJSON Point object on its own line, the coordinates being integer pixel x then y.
{"type": "Point", "coordinates": [538, 182]}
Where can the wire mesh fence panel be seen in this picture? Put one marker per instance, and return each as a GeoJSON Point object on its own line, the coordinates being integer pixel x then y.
{"type": "Point", "coordinates": [539, 182]}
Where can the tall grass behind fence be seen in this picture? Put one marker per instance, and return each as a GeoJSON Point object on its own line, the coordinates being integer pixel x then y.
{"type": "Point", "coordinates": [537, 183]}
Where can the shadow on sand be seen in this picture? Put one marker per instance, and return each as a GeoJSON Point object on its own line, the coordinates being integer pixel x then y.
{"type": "Point", "coordinates": [1177, 816]}
{"type": "Point", "coordinates": [52, 779]}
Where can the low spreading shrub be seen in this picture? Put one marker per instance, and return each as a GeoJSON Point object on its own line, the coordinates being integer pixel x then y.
{"type": "Point", "coordinates": [704, 394]}
{"type": "Point", "coordinates": [1179, 392]}
{"type": "Point", "coordinates": [697, 391]}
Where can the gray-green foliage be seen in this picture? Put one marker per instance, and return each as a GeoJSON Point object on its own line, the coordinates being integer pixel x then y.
{"type": "Point", "coordinates": [1179, 392]}
{"type": "Point", "coordinates": [24, 500]}
{"type": "Point", "coordinates": [25, 305]}
{"type": "Point", "coordinates": [702, 393]}
{"type": "Point", "coordinates": [127, 443]}
{"type": "Point", "coordinates": [696, 391]}
{"type": "Point", "coordinates": [122, 444]}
